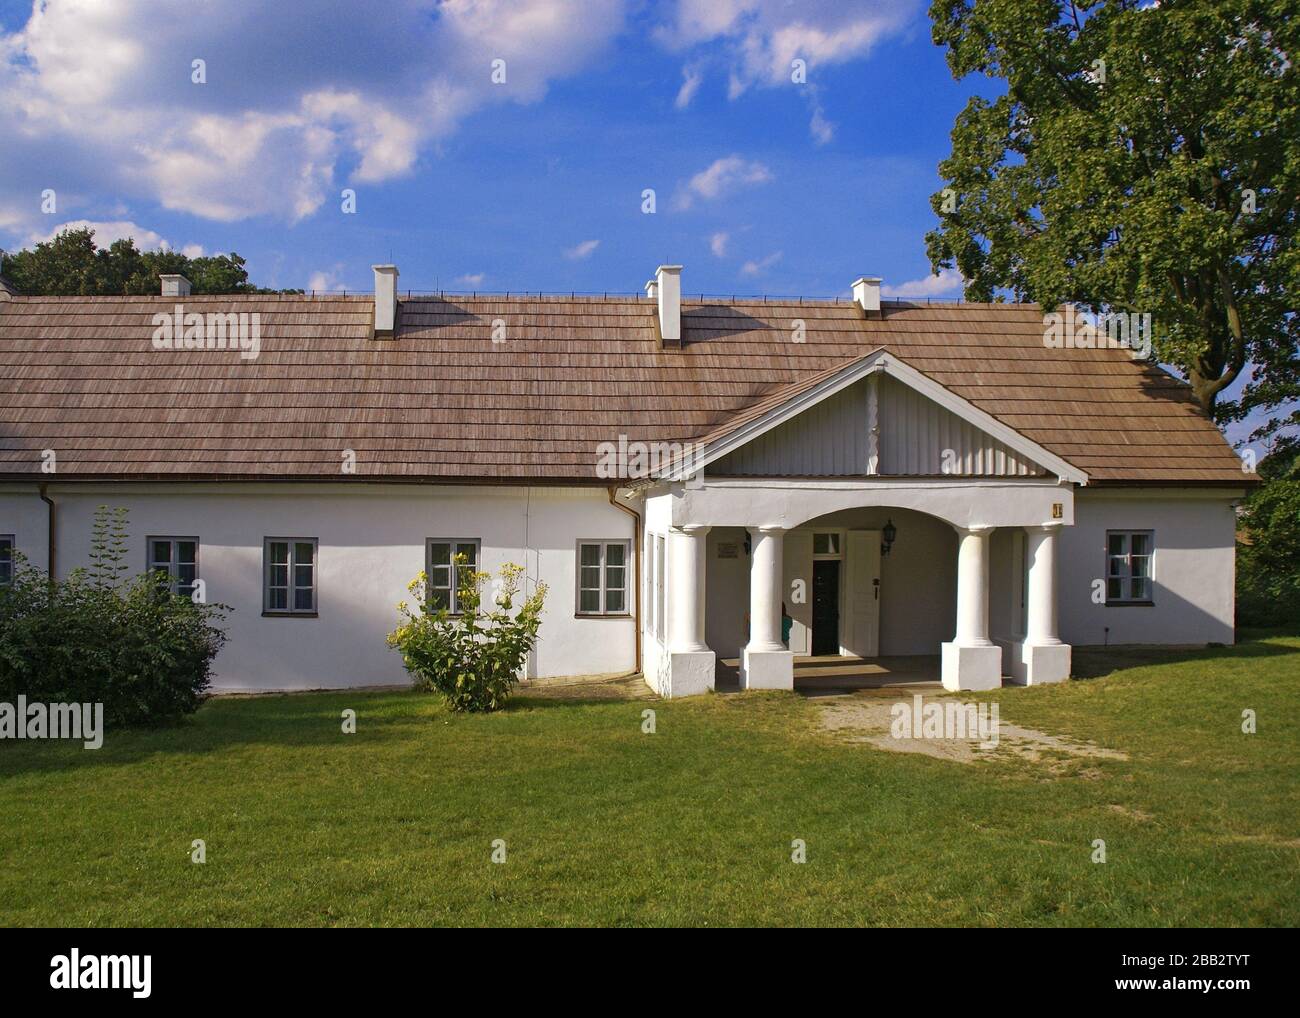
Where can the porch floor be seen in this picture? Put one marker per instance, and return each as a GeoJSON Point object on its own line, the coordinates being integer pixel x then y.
{"type": "Point", "coordinates": [816, 676]}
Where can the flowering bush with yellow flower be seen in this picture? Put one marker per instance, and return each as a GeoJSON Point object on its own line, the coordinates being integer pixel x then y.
{"type": "Point", "coordinates": [473, 658]}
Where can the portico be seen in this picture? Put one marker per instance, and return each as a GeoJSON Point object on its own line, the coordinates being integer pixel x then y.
{"type": "Point", "coordinates": [795, 497]}
{"type": "Point", "coordinates": [758, 555]}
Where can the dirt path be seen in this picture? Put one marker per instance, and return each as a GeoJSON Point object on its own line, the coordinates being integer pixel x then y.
{"type": "Point", "coordinates": [869, 717]}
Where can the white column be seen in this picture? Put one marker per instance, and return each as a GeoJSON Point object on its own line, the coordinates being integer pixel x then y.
{"type": "Point", "coordinates": [972, 660]}
{"type": "Point", "coordinates": [765, 663]}
{"type": "Point", "coordinates": [1040, 596]}
{"type": "Point", "coordinates": [765, 569]}
{"type": "Point", "coordinates": [1042, 657]}
{"type": "Point", "coordinates": [687, 546]}
{"type": "Point", "coordinates": [691, 665]}
{"type": "Point", "coordinates": [973, 587]}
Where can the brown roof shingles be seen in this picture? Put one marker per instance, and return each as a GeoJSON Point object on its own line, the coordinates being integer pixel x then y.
{"type": "Point", "coordinates": [442, 401]}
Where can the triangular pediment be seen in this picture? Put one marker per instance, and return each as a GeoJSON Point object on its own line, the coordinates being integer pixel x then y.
{"type": "Point", "coordinates": [875, 416]}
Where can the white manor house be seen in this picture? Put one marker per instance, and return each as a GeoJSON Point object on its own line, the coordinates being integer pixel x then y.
{"type": "Point", "coordinates": [738, 487]}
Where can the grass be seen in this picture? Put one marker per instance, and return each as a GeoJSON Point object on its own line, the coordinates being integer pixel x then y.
{"type": "Point", "coordinates": [691, 825]}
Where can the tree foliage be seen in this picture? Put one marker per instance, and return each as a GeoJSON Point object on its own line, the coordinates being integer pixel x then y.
{"type": "Point", "coordinates": [1141, 158]}
{"type": "Point", "coordinates": [71, 265]}
{"type": "Point", "coordinates": [1268, 558]}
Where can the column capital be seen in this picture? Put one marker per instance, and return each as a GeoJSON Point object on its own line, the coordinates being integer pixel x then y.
{"type": "Point", "coordinates": [1055, 527]}
{"type": "Point", "coordinates": [978, 529]}
{"type": "Point", "coordinates": [767, 528]}
{"type": "Point", "coordinates": [691, 529]}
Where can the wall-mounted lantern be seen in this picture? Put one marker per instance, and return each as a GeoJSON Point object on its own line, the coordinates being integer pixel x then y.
{"type": "Point", "coordinates": [887, 537]}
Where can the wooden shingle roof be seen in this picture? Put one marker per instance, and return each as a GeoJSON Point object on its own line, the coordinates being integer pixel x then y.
{"type": "Point", "coordinates": [442, 400]}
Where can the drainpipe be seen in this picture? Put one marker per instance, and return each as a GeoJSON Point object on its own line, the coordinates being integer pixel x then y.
{"type": "Point", "coordinates": [49, 528]}
{"type": "Point", "coordinates": [638, 542]}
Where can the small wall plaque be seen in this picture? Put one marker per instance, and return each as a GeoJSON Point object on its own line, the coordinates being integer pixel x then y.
{"type": "Point", "coordinates": [728, 549]}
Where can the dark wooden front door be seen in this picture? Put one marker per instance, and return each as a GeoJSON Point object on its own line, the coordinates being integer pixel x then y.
{"type": "Point", "coordinates": [826, 607]}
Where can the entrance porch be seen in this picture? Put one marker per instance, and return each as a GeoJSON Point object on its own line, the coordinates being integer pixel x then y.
{"type": "Point", "coordinates": [830, 602]}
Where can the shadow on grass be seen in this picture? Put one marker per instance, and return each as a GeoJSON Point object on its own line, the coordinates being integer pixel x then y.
{"type": "Point", "coordinates": [307, 720]}
{"type": "Point", "coordinates": [1096, 662]}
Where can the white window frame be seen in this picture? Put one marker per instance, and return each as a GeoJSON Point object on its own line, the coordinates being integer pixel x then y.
{"type": "Point", "coordinates": [837, 539]}
{"type": "Point", "coordinates": [290, 610]}
{"type": "Point", "coordinates": [7, 541]}
{"type": "Point", "coordinates": [453, 599]}
{"type": "Point", "coordinates": [603, 590]}
{"type": "Point", "coordinates": [1126, 576]}
{"type": "Point", "coordinates": [169, 567]}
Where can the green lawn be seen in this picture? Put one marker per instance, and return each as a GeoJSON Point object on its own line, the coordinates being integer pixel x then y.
{"type": "Point", "coordinates": [691, 825]}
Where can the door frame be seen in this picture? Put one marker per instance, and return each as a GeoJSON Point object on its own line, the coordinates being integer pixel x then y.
{"type": "Point", "coordinates": [840, 555]}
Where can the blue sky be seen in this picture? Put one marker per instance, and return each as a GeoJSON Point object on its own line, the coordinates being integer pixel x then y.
{"type": "Point", "coordinates": [762, 184]}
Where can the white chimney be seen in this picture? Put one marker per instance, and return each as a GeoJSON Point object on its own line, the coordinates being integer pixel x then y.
{"type": "Point", "coordinates": [866, 293]}
{"type": "Point", "coordinates": [174, 285]}
{"type": "Point", "coordinates": [652, 289]}
{"type": "Point", "coordinates": [668, 290]}
{"type": "Point", "coordinates": [385, 301]}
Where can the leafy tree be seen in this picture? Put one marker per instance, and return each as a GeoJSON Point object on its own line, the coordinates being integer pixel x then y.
{"type": "Point", "coordinates": [1141, 158]}
{"type": "Point", "coordinates": [71, 265]}
{"type": "Point", "coordinates": [1268, 557]}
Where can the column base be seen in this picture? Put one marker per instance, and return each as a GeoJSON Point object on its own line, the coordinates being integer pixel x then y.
{"type": "Point", "coordinates": [766, 669]}
{"type": "Point", "coordinates": [689, 673]}
{"type": "Point", "coordinates": [1036, 664]}
{"type": "Point", "coordinates": [972, 668]}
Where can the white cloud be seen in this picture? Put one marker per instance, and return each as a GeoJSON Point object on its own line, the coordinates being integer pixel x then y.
{"type": "Point", "coordinates": [325, 280]}
{"type": "Point", "coordinates": [948, 282]}
{"type": "Point", "coordinates": [718, 244]}
{"type": "Point", "coordinates": [761, 265]}
{"type": "Point", "coordinates": [583, 250]}
{"type": "Point", "coordinates": [106, 232]}
{"type": "Point", "coordinates": [757, 42]}
{"type": "Point", "coordinates": [471, 279]}
{"type": "Point", "coordinates": [722, 177]}
{"type": "Point", "coordinates": [295, 107]}
{"type": "Point", "coordinates": [691, 79]}
{"type": "Point", "coordinates": [819, 127]}
{"type": "Point", "coordinates": [760, 38]}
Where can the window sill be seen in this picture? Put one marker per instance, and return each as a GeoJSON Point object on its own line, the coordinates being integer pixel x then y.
{"type": "Point", "coordinates": [602, 615]}
{"type": "Point", "coordinates": [1130, 604]}
{"type": "Point", "coordinates": [290, 615]}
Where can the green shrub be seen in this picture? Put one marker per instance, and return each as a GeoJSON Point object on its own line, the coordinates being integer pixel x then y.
{"type": "Point", "coordinates": [96, 637]}
{"type": "Point", "coordinates": [474, 658]}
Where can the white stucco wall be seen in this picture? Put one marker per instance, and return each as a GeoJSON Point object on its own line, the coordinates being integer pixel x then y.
{"type": "Point", "coordinates": [24, 516]}
{"type": "Point", "coordinates": [371, 544]}
{"type": "Point", "coordinates": [1193, 567]}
